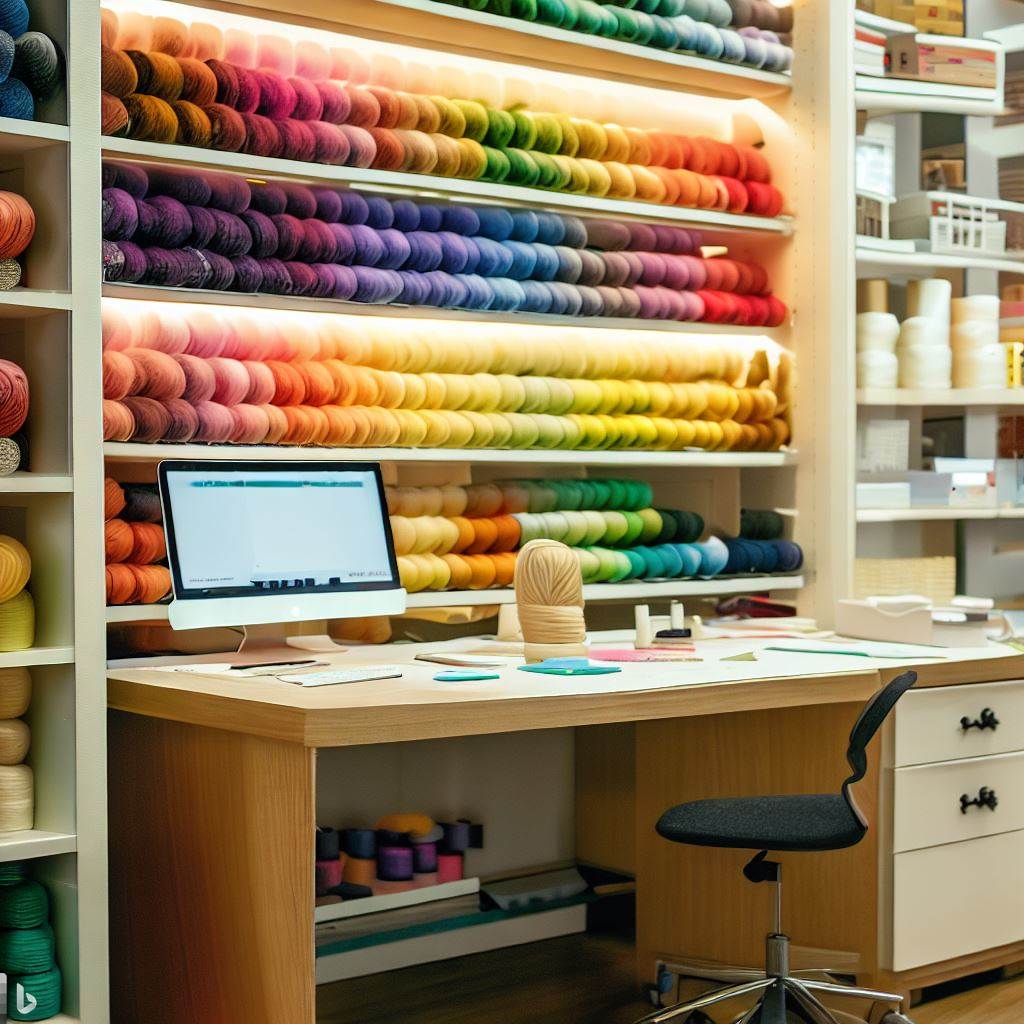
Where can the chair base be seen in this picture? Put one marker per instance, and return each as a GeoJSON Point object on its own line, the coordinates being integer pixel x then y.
{"type": "Point", "coordinates": [781, 996]}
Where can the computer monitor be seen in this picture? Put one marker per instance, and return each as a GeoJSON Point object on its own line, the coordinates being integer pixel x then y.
{"type": "Point", "coordinates": [250, 543]}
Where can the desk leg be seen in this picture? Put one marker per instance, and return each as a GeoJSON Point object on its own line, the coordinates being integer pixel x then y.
{"type": "Point", "coordinates": [694, 902]}
{"type": "Point", "coordinates": [211, 875]}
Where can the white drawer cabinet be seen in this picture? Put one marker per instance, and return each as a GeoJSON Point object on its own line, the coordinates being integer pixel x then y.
{"type": "Point", "coordinates": [928, 808]}
{"type": "Point", "coordinates": [930, 723]}
{"type": "Point", "coordinates": [957, 899]}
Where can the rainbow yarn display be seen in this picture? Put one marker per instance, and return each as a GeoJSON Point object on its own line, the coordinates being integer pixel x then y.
{"type": "Point", "coordinates": [167, 82]}
{"type": "Point", "coordinates": [17, 611]}
{"type": "Point", "coordinates": [31, 65]}
{"type": "Point", "coordinates": [467, 538]}
{"type": "Point", "coordinates": [28, 946]}
{"type": "Point", "coordinates": [750, 32]}
{"type": "Point", "coordinates": [134, 541]}
{"type": "Point", "coordinates": [186, 228]}
{"type": "Point", "coordinates": [227, 376]}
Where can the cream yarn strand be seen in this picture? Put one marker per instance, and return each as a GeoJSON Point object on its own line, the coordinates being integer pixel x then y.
{"type": "Point", "coordinates": [549, 597]}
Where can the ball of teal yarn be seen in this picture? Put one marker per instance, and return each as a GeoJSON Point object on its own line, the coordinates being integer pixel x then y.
{"type": "Point", "coordinates": [654, 567]}
{"type": "Point", "coordinates": [709, 41]}
{"type": "Point", "coordinates": [13, 871]}
{"type": "Point", "coordinates": [589, 17]}
{"type": "Point", "coordinates": [671, 8]}
{"type": "Point", "coordinates": [665, 36]}
{"type": "Point", "coordinates": [24, 905]}
{"type": "Point", "coordinates": [602, 494]}
{"type": "Point", "coordinates": [570, 494]}
{"type": "Point", "coordinates": [637, 564]}
{"type": "Point", "coordinates": [525, 134]}
{"type": "Point", "coordinates": [719, 13]}
{"type": "Point", "coordinates": [647, 6]}
{"type": "Point", "coordinates": [690, 557]}
{"type": "Point", "coordinates": [697, 9]}
{"type": "Point", "coordinates": [14, 17]}
{"type": "Point", "coordinates": [714, 556]}
{"type": "Point", "coordinates": [501, 127]}
{"type": "Point", "coordinates": [626, 23]}
{"type": "Point", "coordinates": [498, 165]}
{"type": "Point", "coordinates": [45, 988]}
{"type": "Point", "coordinates": [686, 33]}
{"type": "Point", "coordinates": [608, 24]}
{"type": "Point", "coordinates": [27, 950]}
{"type": "Point", "coordinates": [671, 560]}
{"type": "Point", "coordinates": [550, 12]}
{"type": "Point", "coordinates": [618, 494]}
{"type": "Point", "coordinates": [571, 15]}
{"type": "Point", "coordinates": [642, 495]}
{"type": "Point", "coordinates": [16, 100]}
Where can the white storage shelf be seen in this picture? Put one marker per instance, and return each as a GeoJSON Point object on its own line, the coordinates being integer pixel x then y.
{"type": "Point", "coordinates": [955, 397]}
{"type": "Point", "coordinates": [626, 591]}
{"type": "Point", "coordinates": [879, 96]}
{"type": "Point", "coordinates": [427, 185]}
{"type": "Point", "coordinates": [909, 515]}
{"type": "Point", "coordinates": [301, 304]}
{"type": "Point", "coordinates": [126, 451]}
{"type": "Point", "coordinates": [32, 843]}
{"type": "Point", "coordinates": [893, 265]}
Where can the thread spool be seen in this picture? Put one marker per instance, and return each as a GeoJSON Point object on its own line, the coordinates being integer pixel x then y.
{"type": "Point", "coordinates": [424, 858]}
{"type": "Point", "coordinates": [967, 334]}
{"type": "Point", "coordinates": [359, 843]}
{"type": "Point", "coordinates": [974, 307]}
{"type": "Point", "coordinates": [877, 332]}
{"type": "Point", "coordinates": [930, 297]}
{"type": "Point", "coordinates": [17, 807]}
{"type": "Point", "coordinates": [982, 366]}
{"type": "Point", "coordinates": [24, 904]}
{"type": "Point", "coordinates": [925, 366]}
{"type": "Point", "coordinates": [358, 871]}
{"type": "Point", "coordinates": [872, 296]}
{"type": "Point", "coordinates": [877, 369]}
{"type": "Point", "coordinates": [549, 596]}
{"type": "Point", "coordinates": [923, 332]}
{"type": "Point", "coordinates": [328, 844]}
{"type": "Point", "coordinates": [395, 863]}
{"type": "Point", "coordinates": [328, 875]}
{"type": "Point", "coordinates": [450, 867]}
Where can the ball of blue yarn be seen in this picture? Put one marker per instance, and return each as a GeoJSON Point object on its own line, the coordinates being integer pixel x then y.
{"type": "Point", "coordinates": [550, 228]}
{"type": "Point", "coordinates": [406, 215]}
{"type": "Point", "coordinates": [479, 293]}
{"type": "Point", "coordinates": [709, 41]}
{"type": "Point", "coordinates": [379, 213]}
{"type": "Point", "coordinates": [495, 222]}
{"type": "Point", "coordinates": [686, 32]}
{"type": "Point", "coordinates": [495, 259]}
{"type": "Point", "coordinates": [698, 9]}
{"type": "Point", "coordinates": [6, 54]}
{"type": "Point", "coordinates": [791, 557]}
{"type": "Point", "coordinates": [430, 218]}
{"type": "Point", "coordinates": [525, 226]}
{"type": "Point", "coordinates": [546, 267]}
{"type": "Point", "coordinates": [538, 298]}
{"type": "Point", "coordinates": [524, 260]}
{"type": "Point", "coordinates": [415, 290]}
{"type": "Point", "coordinates": [768, 555]}
{"type": "Point", "coordinates": [472, 255]}
{"type": "Point", "coordinates": [671, 559]}
{"type": "Point", "coordinates": [734, 50]}
{"type": "Point", "coordinates": [14, 17]}
{"type": "Point", "coordinates": [570, 264]}
{"type": "Point", "coordinates": [462, 220]}
{"type": "Point", "coordinates": [559, 297]}
{"type": "Point", "coordinates": [454, 254]}
{"type": "Point", "coordinates": [16, 101]}
{"type": "Point", "coordinates": [508, 294]}
{"type": "Point", "coordinates": [573, 301]}
{"type": "Point", "coordinates": [354, 209]}
{"type": "Point", "coordinates": [714, 556]}
{"type": "Point", "coordinates": [457, 296]}
{"type": "Point", "coordinates": [690, 557]}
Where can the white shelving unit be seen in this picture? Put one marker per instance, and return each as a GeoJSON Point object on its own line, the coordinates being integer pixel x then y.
{"type": "Point", "coordinates": [907, 266]}
{"type": "Point", "coordinates": [881, 96]}
{"type": "Point", "coordinates": [926, 515]}
{"type": "Point", "coordinates": [952, 397]}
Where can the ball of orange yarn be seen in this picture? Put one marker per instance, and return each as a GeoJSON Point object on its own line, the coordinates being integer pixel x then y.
{"type": "Point", "coordinates": [120, 583]}
{"type": "Point", "coordinates": [157, 375]}
{"type": "Point", "coordinates": [113, 498]}
{"type": "Point", "coordinates": [117, 73]}
{"type": "Point", "coordinates": [148, 544]}
{"type": "Point", "coordinates": [117, 540]}
{"type": "Point", "coordinates": [113, 115]}
{"type": "Point", "coordinates": [118, 375]}
{"type": "Point", "coordinates": [151, 119]}
{"type": "Point", "coordinates": [17, 224]}
{"type": "Point", "coordinates": [13, 398]}
{"type": "Point", "coordinates": [118, 421]}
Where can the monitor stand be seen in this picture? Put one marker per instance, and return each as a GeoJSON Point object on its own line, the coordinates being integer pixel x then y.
{"type": "Point", "coordinates": [271, 640]}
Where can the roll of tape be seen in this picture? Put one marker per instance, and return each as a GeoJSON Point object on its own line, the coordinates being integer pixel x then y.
{"type": "Point", "coordinates": [450, 867]}
{"type": "Point", "coordinates": [358, 871]}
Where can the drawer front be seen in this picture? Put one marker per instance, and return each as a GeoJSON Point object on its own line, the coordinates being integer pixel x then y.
{"type": "Point", "coordinates": [929, 729]}
{"type": "Point", "coordinates": [928, 801]}
{"type": "Point", "coordinates": [958, 899]}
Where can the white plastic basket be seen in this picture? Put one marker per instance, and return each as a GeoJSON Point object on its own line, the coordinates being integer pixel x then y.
{"type": "Point", "coordinates": [950, 223]}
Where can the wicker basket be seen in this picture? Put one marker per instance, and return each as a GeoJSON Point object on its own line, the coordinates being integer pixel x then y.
{"type": "Point", "coordinates": [934, 578]}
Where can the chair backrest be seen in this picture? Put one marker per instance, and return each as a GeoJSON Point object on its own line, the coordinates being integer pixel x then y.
{"type": "Point", "coordinates": [870, 721]}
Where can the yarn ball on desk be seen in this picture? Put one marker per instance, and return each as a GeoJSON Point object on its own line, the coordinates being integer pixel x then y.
{"type": "Point", "coordinates": [15, 567]}
{"type": "Point", "coordinates": [38, 63]}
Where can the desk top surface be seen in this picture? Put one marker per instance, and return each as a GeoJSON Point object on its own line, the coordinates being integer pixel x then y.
{"type": "Point", "coordinates": [418, 707]}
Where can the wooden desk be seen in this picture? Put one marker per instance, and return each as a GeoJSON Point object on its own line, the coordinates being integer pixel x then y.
{"type": "Point", "coordinates": [212, 802]}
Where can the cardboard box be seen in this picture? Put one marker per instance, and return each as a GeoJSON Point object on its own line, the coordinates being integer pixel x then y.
{"type": "Point", "coordinates": [927, 58]}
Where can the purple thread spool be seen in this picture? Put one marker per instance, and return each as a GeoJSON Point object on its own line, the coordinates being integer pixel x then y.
{"type": "Point", "coordinates": [424, 858]}
{"type": "Point", "coordinates": [395, 863]}
{"type": "Point", "coordinates": [163, 222]}
{"type": "Point", "coordinates": [406, 215]}
{"type": "Point", "coordinates": [248, 274]}
{"type": "Point", "coordinates": [454, 253]}
{"type": "Point", "coordinates": [186, 186]}
{"type": "Point", "coordinates": [345, 283]}
{"type": "Point", "coordinates": [369, 247]}
{"type": "Point", "coordinates": [396, 249]}
{"type": "Point", "coordinates": [276, 279]}
{"type": "Point", "coordinates": [430, 217]}
{"type": "Point", "coordinates": [130, 177]}
{"type": "Point", "coordinates": [354, 209]}
{"type": "Point", "coordinates": [232, 237]}
{"type": "Point", "coordinates": [222, 270]}
{"type": "Point", "coordinates": [344, 243]}
{"type": "Point", "coordinates": [204, 224]}
{"type": "Point", "coordinates": [415, 290]}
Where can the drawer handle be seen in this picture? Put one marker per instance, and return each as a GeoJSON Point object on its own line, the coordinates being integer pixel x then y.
{"type": "Point", "coordinates": [986, 798]}
{"type": "Point", "coordinates": [987, 720]}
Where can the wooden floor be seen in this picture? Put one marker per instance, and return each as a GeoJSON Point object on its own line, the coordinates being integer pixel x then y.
{"type": "Point", "coordinates": [575, 980]}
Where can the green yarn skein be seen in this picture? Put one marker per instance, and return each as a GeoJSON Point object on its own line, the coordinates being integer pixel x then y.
{"type": "Point", "coordinates": [476, 118]}
{"type": "Point", "coordinates": [549, 133]}
{"type": "Point", "coordinates": [27, 950]}
{"type": "Point", "coordinates": [25, 905]}
{"type": "Point", "coordinates": [13, 872]}
{"type": "Point", "coordinates": [45, 988]}
{"type": "Point", "coordinates": [525, 134]}
{"type": "Point", "coordinates": [501, 127]}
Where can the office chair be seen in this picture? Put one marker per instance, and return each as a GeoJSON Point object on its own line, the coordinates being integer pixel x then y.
{"type": "Point", "coordinates": [778, 823]}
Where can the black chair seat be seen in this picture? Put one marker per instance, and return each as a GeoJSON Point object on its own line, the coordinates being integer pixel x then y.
{"type": "Point", "coordinates": [803, 822]}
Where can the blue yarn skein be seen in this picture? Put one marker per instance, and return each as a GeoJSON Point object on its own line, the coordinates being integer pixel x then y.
{"type": "Point", "coordinates": [714, 556]}
{"type": "Point", "coordinates": [6, 54]}
{"type": "Point", "coordinates": [16, 101]}
{"type": "Point", "coordinates": [14, 17]}
{"type": "Point", "coordinates": [690, 557]}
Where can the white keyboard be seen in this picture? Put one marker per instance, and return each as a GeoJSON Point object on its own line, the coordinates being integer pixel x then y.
{"type": "Point", "coordinates": [346, 675]}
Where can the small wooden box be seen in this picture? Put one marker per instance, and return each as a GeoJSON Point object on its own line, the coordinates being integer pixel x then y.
{"type": "Point", "coordinates": [926, 58]}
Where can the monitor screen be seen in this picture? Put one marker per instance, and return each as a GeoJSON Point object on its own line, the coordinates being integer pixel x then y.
{"type": "Point", "coordinates": [252, 529]}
